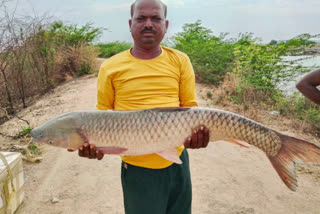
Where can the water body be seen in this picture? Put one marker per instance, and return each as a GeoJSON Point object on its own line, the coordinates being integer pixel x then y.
{"type": "Point", "coordinates": [305, 61]}
{"type": "Point", "coordinates": [310, 62]}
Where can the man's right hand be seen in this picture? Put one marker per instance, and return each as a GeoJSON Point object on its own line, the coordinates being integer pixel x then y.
{"type": "Point", "coordinates": [89, 151]}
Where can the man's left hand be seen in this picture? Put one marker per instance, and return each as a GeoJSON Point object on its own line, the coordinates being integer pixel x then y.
{"type": "Point", "coordinates": [199, 138]}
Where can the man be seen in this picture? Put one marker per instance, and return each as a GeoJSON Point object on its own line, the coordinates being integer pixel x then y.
{"type": "Point", "coordinates": [149, 76]}
{"type": "Point", "coordinates": [308, 86]}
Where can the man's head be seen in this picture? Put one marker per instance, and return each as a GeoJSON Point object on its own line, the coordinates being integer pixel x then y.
{"type": "Point", "coordinates": [148, 23]}
{"type": "Point", "coordinates": [134, 4]}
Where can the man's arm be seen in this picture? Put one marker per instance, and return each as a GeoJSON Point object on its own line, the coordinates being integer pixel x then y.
{"type": "Point", "coordinates": [308, 86]}
{"type": "Point", "coordinates": [200, 136]}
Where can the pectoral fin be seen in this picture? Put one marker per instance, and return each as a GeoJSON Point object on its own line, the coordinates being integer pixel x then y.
{"type": "Point", "coordinates": [171, 155]}
{"type": "Point", "coordinates": [75, 140]}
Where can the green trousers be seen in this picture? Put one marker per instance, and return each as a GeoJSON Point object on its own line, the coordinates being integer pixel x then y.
{"type": "Point", "coordinates": [157, 191]}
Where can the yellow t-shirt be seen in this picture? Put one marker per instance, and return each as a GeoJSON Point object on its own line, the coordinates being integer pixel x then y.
{"type": "Point", "coordinates": [129, 83]}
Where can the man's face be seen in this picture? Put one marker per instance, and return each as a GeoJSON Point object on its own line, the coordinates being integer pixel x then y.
{"type": "Point", "coordinates": [148, 24]}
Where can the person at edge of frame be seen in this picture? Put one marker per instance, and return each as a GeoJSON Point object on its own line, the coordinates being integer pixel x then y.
{"type": "Point", "coordinates": [308, 86]}
{"type": "Point", "coordinates": [149, 76]}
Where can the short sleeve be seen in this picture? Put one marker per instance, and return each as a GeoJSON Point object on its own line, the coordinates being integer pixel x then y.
{"type": "Point", "coordinates": [105, 90]}
{"type": "Point", "coordinates": [187, 91]}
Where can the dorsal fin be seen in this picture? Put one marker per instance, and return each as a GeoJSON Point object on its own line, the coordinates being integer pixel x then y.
{"type": "Point", "coordinates": [170, 109]}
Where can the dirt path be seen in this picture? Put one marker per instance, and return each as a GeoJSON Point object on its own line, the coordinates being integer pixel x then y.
{"type": "Point", "coordinates": [226, 179]}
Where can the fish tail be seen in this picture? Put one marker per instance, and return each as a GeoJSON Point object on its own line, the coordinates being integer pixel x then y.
{"type": "Point", "coordinates": [293, 151]}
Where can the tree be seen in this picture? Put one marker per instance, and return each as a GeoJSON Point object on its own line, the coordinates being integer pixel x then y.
{"type": "Point", "coordinates": [210, 55]}
{"type": "Point", "coordinates": [273, 42]}
{"type": "Point", "coordinates": [5, 49]}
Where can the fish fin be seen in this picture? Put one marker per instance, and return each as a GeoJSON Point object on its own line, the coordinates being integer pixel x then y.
{"type": "Point", "coordinates": [171, 155]}
{"type": "Point", "coordinates": [237, 142]}
{"type": "Point", "coordinates": [169, 109]}
{"type": "Point", "coordinates": [111, 150]}
{"type": "Point", "coordinates": [84, 137]}
{"type": "Point", "coordinates": [293, 151]}
{"type": "Point", "coordinates": [75, 140]}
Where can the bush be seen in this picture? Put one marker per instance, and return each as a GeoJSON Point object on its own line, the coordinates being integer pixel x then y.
{"type": "Point", "coordinates": [72, 35]}
{"type": "Point", "coordinates": [37, 56]}
{"type": "Point", "coordinates": [256, 69]}
{"type": "Point", "coordinates": [110, 49]}
{"type": "Point", "coordinates": [209, 94]}
{"type": "Point", "coordinates": [76, 61]}
{"type": "Point", "coordinates": [299, 107]}
{"type": "Point", "coordinates": [211, 56]}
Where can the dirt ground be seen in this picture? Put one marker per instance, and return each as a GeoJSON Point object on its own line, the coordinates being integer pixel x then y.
{"type": "Point", "coordinates": [227, 179]}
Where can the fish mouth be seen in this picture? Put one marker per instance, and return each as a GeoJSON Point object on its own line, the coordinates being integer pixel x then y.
{"type": "Point", "coordinates": [38, 140]}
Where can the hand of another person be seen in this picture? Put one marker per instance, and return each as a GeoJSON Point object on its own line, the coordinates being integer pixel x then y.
{"type": "Point", "coordinates": [199, 138]}
{"type": "Point", "coordinates": [89, 151]}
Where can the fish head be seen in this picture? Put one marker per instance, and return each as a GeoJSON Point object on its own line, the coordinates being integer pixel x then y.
{"type": "Point", "coordinates": [61, 131]}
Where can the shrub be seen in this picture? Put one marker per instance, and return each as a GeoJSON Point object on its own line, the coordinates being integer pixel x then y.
{"type": "Point", "coordinates": [211, 56]}
{"type": "Point", "coordinates": [110, 49]}
{"type": "Point", "coordinates": [37, 56]}
{"type": "Point", "coordinates": [209, 94]}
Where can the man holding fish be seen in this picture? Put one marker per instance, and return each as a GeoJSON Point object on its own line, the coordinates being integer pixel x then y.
{"type": "Point", "coordinates": [155, 169]}
{"type": "Point", "coordinates": [150, 76]}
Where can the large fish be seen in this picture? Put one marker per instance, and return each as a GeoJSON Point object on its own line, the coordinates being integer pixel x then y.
{"type": "Point", "coordinates": [161, 130]}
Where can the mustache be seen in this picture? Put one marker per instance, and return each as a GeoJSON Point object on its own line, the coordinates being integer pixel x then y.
{"type": "Point", "coordinates": [146, 30]}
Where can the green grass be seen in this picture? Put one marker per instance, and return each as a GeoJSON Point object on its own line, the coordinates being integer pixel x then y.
{"type": "Point", "coordinates": [25, 131]}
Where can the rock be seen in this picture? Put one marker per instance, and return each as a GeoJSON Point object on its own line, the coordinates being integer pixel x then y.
{"type": "Point", "coordinates": [274, 112]}
{"type": "Point", "coordinates": [55, 200]}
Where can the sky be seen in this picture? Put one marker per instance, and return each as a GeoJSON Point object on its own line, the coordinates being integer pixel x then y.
{"type": "Point", "coordinates": [266, 19]}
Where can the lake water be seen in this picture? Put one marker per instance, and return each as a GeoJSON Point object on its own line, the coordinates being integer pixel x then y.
{"type": "Point", "coordinates": [306, 61]}
{"type": "Point", "coordinates": [312, 62]}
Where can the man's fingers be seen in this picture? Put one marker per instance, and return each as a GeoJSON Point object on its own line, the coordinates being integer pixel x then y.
{"type": "Point", "coordinates": [200, 137]}
{"type": "Point", "coordinates": [81, 151]}
{"type": "Point", "coordinates": [99, 155]}
{"type": "Point", "coordinates": [187, 142]}
{"type": "Point", "coordinates": [86, 150]}
{"type": "Point", "coordinates": [206, 137]}
{"type": "Point", "coordinates": [92, 151]}
{"type": "Point", "coordinates": [194, 139]}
